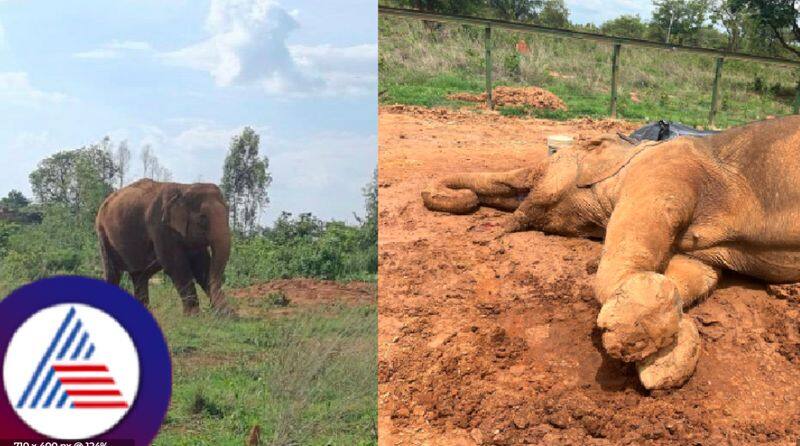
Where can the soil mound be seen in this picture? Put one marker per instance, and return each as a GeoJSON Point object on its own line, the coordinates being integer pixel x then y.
{"type": "Point", "coordinates": [516, 96]}
{"type": "Point", "coordinates": [485, 341]}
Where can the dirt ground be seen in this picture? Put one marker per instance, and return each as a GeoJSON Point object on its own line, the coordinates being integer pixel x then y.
{"type": "Point", "coordinates": [487, 341]}
{"type": "Point", "coordinates": [302, 293]}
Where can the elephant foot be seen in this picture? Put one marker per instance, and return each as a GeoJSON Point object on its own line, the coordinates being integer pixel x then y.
{"type": "Point", "coordinates": [191, 311]}
{"type": "Point", "coordinates": [641, 317]}
{"type": "Point", "coordinates": [225, 312]}
{"type": "Point", "coordinates": [673, 365]}
{"type": "Point", "coordinates": [515, 222]}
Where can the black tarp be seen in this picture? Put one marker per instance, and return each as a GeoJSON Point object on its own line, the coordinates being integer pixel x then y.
{"type": "Point", "coordinates": [665, 130]}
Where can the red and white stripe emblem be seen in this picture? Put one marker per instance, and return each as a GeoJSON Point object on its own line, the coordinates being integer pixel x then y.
{"type": "Point", "coordinates": [89, 386]}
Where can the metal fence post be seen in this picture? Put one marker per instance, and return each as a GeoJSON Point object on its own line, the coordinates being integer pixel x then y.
{"type": "Point", "coordinates": [487, 36]}
{"type": "Point", "coordinates": [715, 92]}
{"type": "Point", "coordinates": [614, 75]}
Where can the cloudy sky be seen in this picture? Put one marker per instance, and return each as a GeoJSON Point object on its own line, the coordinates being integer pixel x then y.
{"type": "Point", "coordinates": [185, 76]}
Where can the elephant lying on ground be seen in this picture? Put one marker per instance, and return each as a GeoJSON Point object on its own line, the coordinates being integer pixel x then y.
{"type": "Point", "coordinates": [673, 214]}
{"type": "Point", "coordinates": [149, 226]}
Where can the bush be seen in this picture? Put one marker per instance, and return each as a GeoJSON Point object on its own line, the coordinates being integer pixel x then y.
{"type": "Point", "coordinates": [304, 247]}
{"type": "Point", "coordinates": [61, 244]}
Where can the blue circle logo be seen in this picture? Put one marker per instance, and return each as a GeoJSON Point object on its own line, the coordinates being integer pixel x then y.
{"type": "Point", "coordinates": [81, 360]}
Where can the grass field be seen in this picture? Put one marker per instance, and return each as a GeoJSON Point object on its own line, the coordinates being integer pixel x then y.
{"type": "Point", "coordinates": [307, 377]}
{"type": "Point", "coordinates": [421, 65]}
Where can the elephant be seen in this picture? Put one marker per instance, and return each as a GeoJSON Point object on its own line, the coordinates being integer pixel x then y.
{"type": "Point", "coordinates": [183, 229]}
{"type": "Point", "coordinates": [672, 215]}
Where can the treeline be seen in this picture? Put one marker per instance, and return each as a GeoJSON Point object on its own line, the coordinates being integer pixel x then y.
{"type": "Point", "coordinates": [53, 232]}
{"type": "Point", "coordinates": [766, 27]}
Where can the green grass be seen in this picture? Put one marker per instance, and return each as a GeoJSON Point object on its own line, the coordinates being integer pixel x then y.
{"type": "Point", "coordinates": [308, 377]}
{"type": "Point", "coordinates": [304, 376]}
{"type": "Point", "coordinates": [419, 65]}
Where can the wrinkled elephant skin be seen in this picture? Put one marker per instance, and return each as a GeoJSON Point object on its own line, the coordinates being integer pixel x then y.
{"type": "Point", "coordinates": [673, 214]}
{"type": "Point", "coordinates": [181, 228]}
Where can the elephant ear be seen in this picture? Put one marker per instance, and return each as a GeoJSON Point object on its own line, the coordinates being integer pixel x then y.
{"type": "Point", "coordinates": [604, 158]}
{"type": "Point", "coordinates": [175, 212]}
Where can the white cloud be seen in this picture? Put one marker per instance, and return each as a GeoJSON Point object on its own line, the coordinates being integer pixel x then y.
{"type": "Point", "coordinates": [114, 49]}
{"type": "Point", "coordinates": [102, 53]}
{"type": "Point", "coordinates": [248, 46]}
{"type": "Point", "coordinates": [345, 69]}
{"type": "Point", "coordinates": [322, 173]}
{"type": "Point", "coordinates": [129, 45]}
{"type": "Point", "coordinates": [16, 88]}
{"type": "Point", "coordinates": [321, 160]}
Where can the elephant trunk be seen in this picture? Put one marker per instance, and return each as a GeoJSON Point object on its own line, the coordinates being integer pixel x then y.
{"type": "Point", "coordinates": [463, 193]}
{"type": "Point", "coordinates": [220, 244]}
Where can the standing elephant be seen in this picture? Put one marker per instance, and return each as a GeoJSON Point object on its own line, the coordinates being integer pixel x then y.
{"type": "Point", "coordinates": [673, 215]}
{"type": "Point", "coordinates": [149, 226]}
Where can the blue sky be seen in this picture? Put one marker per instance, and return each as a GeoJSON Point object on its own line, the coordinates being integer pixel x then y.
{"type": "Point", "coordinates": [185, 76]}
{"type": "Point", "coordinates": [598, 11]}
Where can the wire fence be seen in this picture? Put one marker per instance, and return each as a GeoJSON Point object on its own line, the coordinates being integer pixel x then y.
{"type": "Point", "coordinates": [424, 60]}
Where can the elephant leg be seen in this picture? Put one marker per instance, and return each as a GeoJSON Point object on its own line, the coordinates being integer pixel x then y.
{"type": "Point", "coordinates": [180, 272]}
{"type": "Point", "coordinates": [201, 269]}
{"type": "Point", "coordinates": [175, 261]}
{"type": "Point", "coordinates": [184, 283]}
{"type": "Point", "coordinates": [141, 288]}
{"type": "Point", "coordinates": [642, 313]}
{"type": "Point", "coordinates": [200, 263]}
{"type": "Point", "coordinates": [694, 279]}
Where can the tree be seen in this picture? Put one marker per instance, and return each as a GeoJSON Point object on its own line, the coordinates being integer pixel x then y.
{"type": "Point", "coordinates": [779, 16]}
{"type": "Point", "coordinates": [122, 157]}
{"type": "Point", "coordinates": [678, 20]}
{"type": "Point", "coordinates": [625, 26]}
{"type": "Point", "coordinates": [245, 180]}
{"type": "Point", "coordinates": [517, 10]}
{"type": "Point", "coordinates": [464, 7]}
{"type": "Point", "coordinates": [370, 221]}
{"type": "Point", "coordinates": [14, 201]}
{"type": "Point", "coordinates": [555, 14]}
{"type": "Point", "coordinates": [151, 167]}
{"type": "Point", "coordinates": [150, 164]}
{"type": "Point", "coordinates": [78, 179]}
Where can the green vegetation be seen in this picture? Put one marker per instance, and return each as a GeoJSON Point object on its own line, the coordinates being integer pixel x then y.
{"type": "Point", "coordinates": [55, 235]}
{"type": "Point", "coordinates": [766, 27]}
{"type": "Point", "coordinates": [308, 377]}
{"type": "Point", "coordinates": [302, 375]}
{"type": "Point", "coordinates": [422, 65]}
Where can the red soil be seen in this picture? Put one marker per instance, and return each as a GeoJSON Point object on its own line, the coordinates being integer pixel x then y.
{"type": "Point", "coordinates": [303, 293]}
{"type": "Point", "coordinates": [516, 96]}
{"type": "Point", "coordinates": [487, 341]}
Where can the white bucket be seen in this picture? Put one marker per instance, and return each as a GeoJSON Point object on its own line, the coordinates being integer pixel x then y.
{"type": "Point", "coordinates": [557, 142]}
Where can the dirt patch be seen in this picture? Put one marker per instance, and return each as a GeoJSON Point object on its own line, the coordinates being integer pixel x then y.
{"type": "Point", "coordinates": [486, 341]}
{"type": "Point", "coordinates": [303, 293]}
{"type": "Point", "coordinates": [516, 96]}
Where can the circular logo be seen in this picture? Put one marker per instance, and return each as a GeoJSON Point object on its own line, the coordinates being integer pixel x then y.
{"type": "Point", "coordinates": [81, 360]}
{"type": "Point", "coordinates": [71, 372]}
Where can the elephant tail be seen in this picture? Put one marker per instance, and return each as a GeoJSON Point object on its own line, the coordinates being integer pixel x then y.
{"type": "Point", "coordinates": [112, 272]}
{"type": "Point", "coordinates": [464, 193]}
